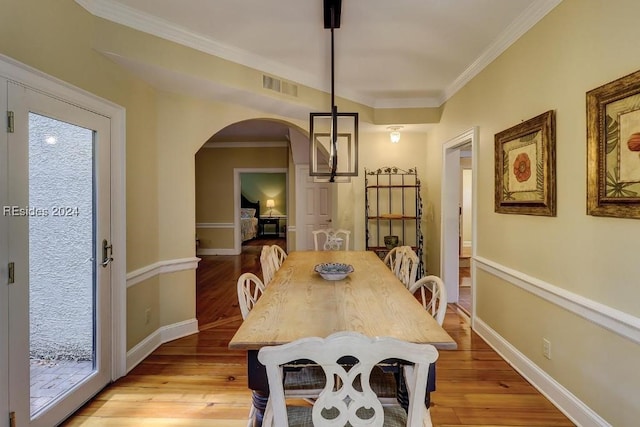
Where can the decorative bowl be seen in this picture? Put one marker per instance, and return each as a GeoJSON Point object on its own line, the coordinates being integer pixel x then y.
{"type": "Point", "coordinates": [333, 270]}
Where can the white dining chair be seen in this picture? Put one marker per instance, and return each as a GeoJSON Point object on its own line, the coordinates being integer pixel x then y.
{"type": "Point", "coordinates": [267, 264]}
{"type": "Point", "coordinates": [391, 260]}
{"type": "Point", "coordinates": [407, 267]}
{"type": "Point", "coordinates": [279, 255]}
{"type": "Point", "coordinates": [250, 287]}
{"type": "Point", "coordinates": [433, 296]}
{"type": "Point", "coordinates": [347, 396]}
{"type": "Point", "coordinates": [334, 240]}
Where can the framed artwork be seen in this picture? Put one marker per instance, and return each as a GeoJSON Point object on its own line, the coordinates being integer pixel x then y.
{"type": "Point", "coordinates": [613, 148]}
{"type": "Point", "coordinates": [525, 166]}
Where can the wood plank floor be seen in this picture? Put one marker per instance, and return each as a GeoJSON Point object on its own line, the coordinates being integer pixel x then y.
{"type": "Point", "coordinates": [197, 381]}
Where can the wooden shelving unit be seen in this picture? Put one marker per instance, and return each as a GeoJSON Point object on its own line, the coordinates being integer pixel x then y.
{"type": "Point", "coordinates": [393, 208]}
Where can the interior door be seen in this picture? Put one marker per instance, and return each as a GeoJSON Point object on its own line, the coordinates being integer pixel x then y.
{"type": "Point", "coordinates": [316, 208]}
{"type": "Point", "coordinates": [58, 215]}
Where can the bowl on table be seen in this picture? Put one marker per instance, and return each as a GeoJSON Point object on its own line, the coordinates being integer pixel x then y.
{"type": "Point", "coordinates": [333, 270]}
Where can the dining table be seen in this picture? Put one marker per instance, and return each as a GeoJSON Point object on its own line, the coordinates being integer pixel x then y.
{"type": "Point", "coordinates": [299, 303]}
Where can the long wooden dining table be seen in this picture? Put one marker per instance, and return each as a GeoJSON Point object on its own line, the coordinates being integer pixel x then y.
{"type": "Point", "coordinates": [299, 303]}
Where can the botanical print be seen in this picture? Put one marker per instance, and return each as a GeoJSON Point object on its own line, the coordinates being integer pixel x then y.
{"type": "Point", "coordinates": [622, 162]}
{"type": "Point", "coordinates": [523, 168]}
{"type": "Point", "coordinates": [630, 146]}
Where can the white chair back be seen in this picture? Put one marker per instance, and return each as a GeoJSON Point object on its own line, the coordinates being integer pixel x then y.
{"type": "Point", "coordinates": [334, 240]}
{"type": "Point", "coordinates": [279, 255]}
{"type": "Point", "coordinates": [433, 296]}
{"type": "Point", "coordinates": [250, 287]}
{"type": "Point", "coordinates": [347, 395]}
{"type": "Point", "coordinates": [407, 269]}
{"type": "Point", "coordinates": [391, 260]}
{"type": "Point", "coordinates": [267, 264]}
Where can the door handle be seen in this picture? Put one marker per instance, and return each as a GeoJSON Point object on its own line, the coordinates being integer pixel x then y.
{"type": "Point", "coordinates": [107, 252]}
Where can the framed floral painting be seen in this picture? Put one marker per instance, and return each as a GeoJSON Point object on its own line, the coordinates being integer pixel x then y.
{"type": "Point", "coordinates": [525, 167]}
{"type": "Point", "coordinates": [613, 151]}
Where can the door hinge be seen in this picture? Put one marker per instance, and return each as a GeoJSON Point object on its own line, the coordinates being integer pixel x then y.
{"type": "Point", "coordinates": [10, 121]}
{"type": "Point", "coordinates": [11, 272]}
{"type": "Point", "coordinates": [12, 419]}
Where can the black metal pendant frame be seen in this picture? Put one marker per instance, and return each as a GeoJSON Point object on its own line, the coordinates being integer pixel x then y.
{"type": "Point", "coordinates": [332, 14]}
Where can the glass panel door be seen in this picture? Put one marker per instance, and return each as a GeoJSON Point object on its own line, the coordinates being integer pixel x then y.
{"type": "Point", "coordinates": [59, 313]}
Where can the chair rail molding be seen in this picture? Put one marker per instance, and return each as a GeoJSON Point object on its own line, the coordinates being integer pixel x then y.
{"type": "Point", "coordinates": [161, 267]}
{"type": "Point", "coordinates": [215, 225]}
{"type": "Point", "coordinates": [619, 322]}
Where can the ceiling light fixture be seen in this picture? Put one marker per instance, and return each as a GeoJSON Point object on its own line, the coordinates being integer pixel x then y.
{"type": "Point", "coordinates": [394, 135]}
{"type": "Point", "coordinates": [333, 138]}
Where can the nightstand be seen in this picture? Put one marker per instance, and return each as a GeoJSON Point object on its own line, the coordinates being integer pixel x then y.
{"type": "Point", "coordinates": [269, 221]}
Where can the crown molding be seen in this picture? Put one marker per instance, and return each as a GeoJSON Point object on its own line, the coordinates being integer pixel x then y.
{"type": "Point", "coordinates": [133, 18]}
{"type": "Point", "coordinates": [510, 35]}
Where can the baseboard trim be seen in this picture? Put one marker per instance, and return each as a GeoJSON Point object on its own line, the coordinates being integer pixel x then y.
{"type": "Point", "coordinates": [563, 399]}
{"type": "Point", "coordinates": [162, 335]}
{"type": "Point", "coordinates": [161, 267]}
{"type": "Point", "coordinates": [216, 251]}
{"type": "Point", "coordinates": [614, 320]}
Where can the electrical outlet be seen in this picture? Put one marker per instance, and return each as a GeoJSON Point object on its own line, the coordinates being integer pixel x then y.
{"type": "Point", "coordinates": [546, 348]}
{"type": "Point", "coordinates": [147, 316]}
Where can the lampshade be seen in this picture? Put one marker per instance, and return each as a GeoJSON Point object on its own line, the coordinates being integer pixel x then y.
{"type": "Point", "coordinates": [394, 135]}
{"type": "Point", "coordinates": [270, 203]}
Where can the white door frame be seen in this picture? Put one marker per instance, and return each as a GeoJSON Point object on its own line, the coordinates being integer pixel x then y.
{"type": "Point", "coordinates": [39, 81]}
{"type": "Point", "coordinates": [450, 218]}
{"type": "Point", "coordinates": [237, 241]}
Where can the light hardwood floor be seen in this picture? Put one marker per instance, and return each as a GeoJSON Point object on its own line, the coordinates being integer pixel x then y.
{"type": "Point", "coordinates": [197, 381]}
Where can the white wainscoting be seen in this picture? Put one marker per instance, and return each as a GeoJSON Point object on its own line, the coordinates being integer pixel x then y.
{"type": "Point", "coordinates": [165, 333]}
{"type": "Point", "coordinates": [614, 320]}
{"type": "Point", "coordinates": [216, 251]}
{"type": "Point", "coordinates": [162, 335]}
{"type": "Point", "coordinates": [562, 398]}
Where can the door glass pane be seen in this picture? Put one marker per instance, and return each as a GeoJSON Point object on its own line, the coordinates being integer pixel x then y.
{"type": "Point", "coordinates": [61, 258]}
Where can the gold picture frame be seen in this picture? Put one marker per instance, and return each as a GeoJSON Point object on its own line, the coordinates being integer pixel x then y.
{"type": "Point", "coordinates": [525, 163]}
{"type": "Point", "coordinates": [613, 148]}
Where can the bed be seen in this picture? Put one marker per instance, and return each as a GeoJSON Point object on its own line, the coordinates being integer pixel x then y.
{"type": "Point", "coordinates": [249, 214]}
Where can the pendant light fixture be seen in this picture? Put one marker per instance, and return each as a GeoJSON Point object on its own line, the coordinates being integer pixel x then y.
{"type": "Point", "coordinates": [333, 138]}
{"type": "Point", "coordinates": [394, 134]}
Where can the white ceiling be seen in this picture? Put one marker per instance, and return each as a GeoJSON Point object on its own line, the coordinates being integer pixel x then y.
{"type": "Point", "coordinates": [388, 54]}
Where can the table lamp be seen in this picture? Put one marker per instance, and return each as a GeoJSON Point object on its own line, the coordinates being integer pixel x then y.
{"type": "Point", "coordinates": [270, 205]}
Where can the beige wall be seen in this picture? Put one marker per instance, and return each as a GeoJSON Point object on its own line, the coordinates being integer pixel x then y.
{"type": "Point", "coordinates": [580, 45]}
{"type": "Point", "coordinates": [214, 168]}
{"type": "Point", "coordinates": [577, 47]}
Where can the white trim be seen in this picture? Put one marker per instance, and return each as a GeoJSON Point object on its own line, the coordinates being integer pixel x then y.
{"type": "Point", "coordinates": [141, 21]}
{"type": "Point", "coordinates": [162, 335]}
{"type": "Point", "coordinates": [134, 18]}
{"type": "Point", "coordinates": [216, 251]}
{"type": "Point", "coordinates": [215, 225]}
{"type": "Point", "coordinates": [531, 16]}
{"type": "Point", "coordinates": [246, 144]}
{"type": "Point", "coordinates": [59, 89]}
{"type": "Point", "coordinates": [576, 410]}
{"type": "Point", "coordinates": [237, 241]}
{"type": "Point", "coordinates": [449, 217]}
{"type": "Point", "coordinates": [161, 267]}
{"type": "Point", "coordinates": [614, 320]}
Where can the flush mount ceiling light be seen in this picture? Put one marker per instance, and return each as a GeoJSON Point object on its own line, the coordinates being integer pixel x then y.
{"type": "Point", "coordinates": [394, 133]}
{"type": "Point", "coordinates": [333, 138]}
